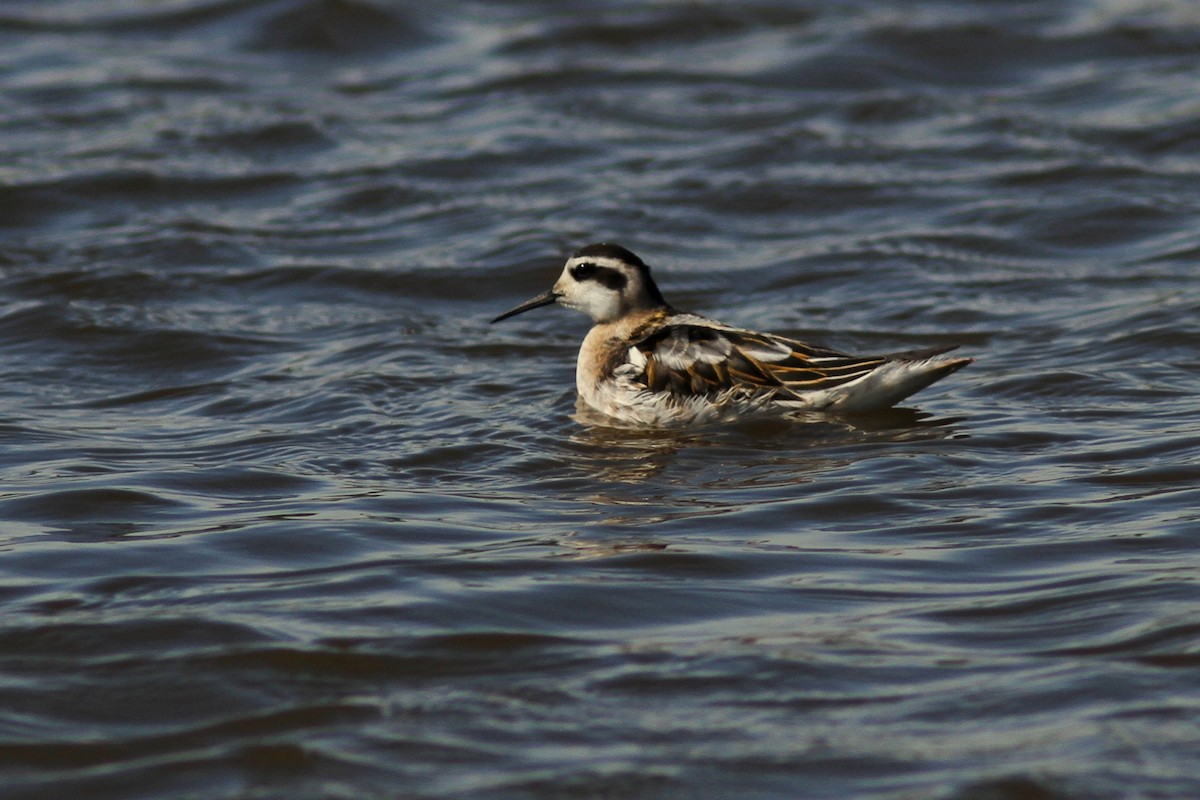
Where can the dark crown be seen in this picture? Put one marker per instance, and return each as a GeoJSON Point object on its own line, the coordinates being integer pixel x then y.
{"type": "Point", "coordinates": [607, 250]}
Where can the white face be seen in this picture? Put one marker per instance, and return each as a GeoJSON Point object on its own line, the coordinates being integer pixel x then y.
{"type": "Point", "coordinates": [604, 281]}
{"type": "Point", "coordinates": [602, 287]}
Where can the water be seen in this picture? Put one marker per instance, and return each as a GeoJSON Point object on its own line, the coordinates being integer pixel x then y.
{"type": "Point", "coordinates": [284, 517]}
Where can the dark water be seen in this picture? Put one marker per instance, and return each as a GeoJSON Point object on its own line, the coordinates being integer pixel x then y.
{"type": "Point", "coordinates": [283, 517]}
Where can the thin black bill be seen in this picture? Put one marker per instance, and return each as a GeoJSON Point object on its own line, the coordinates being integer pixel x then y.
{"type": "Point", "coordinates": [543, 299]}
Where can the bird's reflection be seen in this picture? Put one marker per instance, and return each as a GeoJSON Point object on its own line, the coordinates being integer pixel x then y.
{"type": "Point", "coordinates": [800, 444]}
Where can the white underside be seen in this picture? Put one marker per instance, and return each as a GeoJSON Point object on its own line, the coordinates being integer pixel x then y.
{"type": "Point", "coordinates": [620, 397]}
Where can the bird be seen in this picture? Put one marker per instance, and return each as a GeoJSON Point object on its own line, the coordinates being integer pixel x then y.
{"type": "Point", "coordinates": [648, 364]}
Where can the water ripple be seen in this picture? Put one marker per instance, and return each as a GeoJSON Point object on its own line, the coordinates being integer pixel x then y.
{"type": "Point", "coordinates": [284, 516]}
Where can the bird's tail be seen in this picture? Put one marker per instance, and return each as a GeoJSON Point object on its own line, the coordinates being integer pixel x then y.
{"type": "Point", "coordinates": [901, 375]}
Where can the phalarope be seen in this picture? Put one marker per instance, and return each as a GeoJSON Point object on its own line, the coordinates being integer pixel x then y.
{"type": "Point", "coordinates": [647, 363]}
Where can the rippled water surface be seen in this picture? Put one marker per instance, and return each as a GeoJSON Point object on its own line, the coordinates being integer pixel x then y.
{"type": "Point", "coordinates": [284, 517]}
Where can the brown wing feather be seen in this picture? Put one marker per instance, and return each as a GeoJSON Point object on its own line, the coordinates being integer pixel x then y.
{"type": "Point", "coordinates": [701, 360]}
{"type": "Point", "coordinates": [800, 367]}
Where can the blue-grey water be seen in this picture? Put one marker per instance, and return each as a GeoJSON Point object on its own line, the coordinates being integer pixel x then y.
{"type": "Point", "coordinates": [282, 516]}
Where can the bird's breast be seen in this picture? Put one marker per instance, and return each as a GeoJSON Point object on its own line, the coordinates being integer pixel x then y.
{"type": "Point", "coordinates": [602, 351]}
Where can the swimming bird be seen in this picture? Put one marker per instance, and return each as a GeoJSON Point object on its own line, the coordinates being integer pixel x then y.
{"type": "Point", "coordinates": [644, 362]}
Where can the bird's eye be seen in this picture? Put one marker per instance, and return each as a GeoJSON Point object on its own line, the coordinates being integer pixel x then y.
{"type": "Point", "coordinates": [581, 272]}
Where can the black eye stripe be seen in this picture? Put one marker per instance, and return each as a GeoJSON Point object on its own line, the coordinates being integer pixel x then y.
{"type": "Point", "coordinates": [607, 277]}
{"type": "Point", "coordinates": [611, 278]}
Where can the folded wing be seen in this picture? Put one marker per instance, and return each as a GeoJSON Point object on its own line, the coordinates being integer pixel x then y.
{"type": "Point", "coordinates": [708, 359]}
